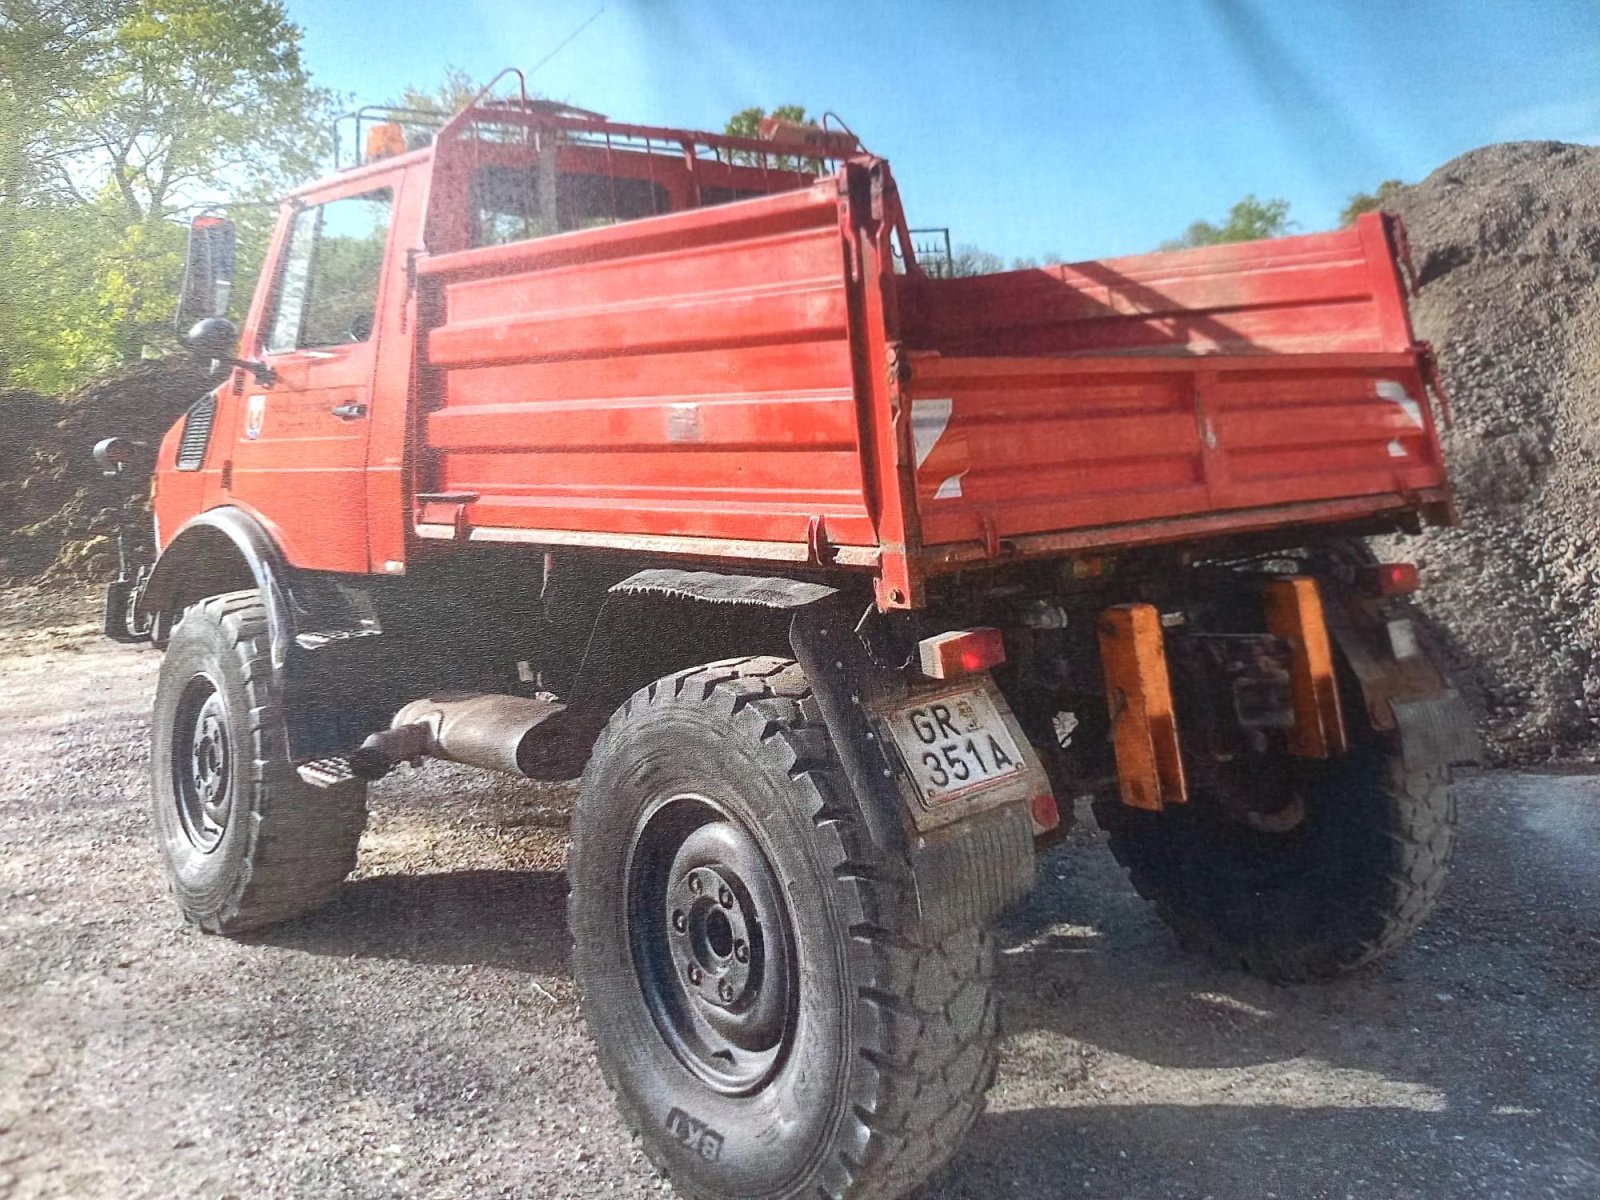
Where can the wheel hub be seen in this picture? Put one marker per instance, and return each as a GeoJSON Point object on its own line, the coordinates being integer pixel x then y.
{"type": "Point", "coordinates": [201, 765]}
{"type": "Point", "coordinates": [714, 923]}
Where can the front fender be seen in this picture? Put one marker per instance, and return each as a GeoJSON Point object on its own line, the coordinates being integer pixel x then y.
{"type": "Point", "coordinates": [205, 557]}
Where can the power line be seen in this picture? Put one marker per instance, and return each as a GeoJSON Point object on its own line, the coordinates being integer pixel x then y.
{"type": "Point", "coordinates": [561, 45]}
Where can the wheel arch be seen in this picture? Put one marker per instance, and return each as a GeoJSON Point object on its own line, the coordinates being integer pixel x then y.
{"type": "Point", "coordinates": [222, 550]}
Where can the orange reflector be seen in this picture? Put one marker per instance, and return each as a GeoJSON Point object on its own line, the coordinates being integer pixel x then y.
{"type": "Point", "coordinates": [1388, 579]}
{"type": "Point", "coordinates": [385, 140]}
{"type": "Point", "coordinates": [961, 652]}
{"type": "Point", "coordinates": [1294, 613]}
{"type": "Point", "coordinates": [1144, 729]}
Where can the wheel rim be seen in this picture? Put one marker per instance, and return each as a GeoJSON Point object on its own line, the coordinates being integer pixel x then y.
{"type": "Point", "coordinates": [201, 763]}
{"type": "Point", "coordinates": [711, 943]}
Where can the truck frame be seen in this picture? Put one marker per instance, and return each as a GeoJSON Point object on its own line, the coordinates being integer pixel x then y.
{"type": "Point", "coordinates": [557, 445]}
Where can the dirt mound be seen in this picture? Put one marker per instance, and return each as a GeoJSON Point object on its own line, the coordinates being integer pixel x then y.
{"type": "Point", "coordinates": [56, 510]}
{"type": "Point", "coordinates": [1506, 240]}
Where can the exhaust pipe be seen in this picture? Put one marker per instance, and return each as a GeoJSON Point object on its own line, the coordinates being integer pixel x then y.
{"type": "Point", "coordinates": [518, 735]}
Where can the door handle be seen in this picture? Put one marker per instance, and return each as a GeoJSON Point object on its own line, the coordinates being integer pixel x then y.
{"type": "Point", "coordinates": [349, 412]}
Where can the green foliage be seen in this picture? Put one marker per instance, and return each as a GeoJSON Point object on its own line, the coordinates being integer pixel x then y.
{"type": "Point", "coordinates": [1247, 221]}
{"type": "Point", "coordinates": [746, 123]}
{"type": "Point", "coordinates": [453, 93]}
{"type": "Point", "coordinates": [117, 119]}
{"type": "Point", "coordinates": [1364, 202]}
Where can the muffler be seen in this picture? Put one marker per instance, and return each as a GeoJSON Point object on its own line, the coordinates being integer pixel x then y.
{"type": "Point", "coordinates": [518, 735]}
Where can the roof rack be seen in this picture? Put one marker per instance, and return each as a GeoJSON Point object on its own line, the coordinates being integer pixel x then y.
{"type": "Point", "coordinates": [521, 117]}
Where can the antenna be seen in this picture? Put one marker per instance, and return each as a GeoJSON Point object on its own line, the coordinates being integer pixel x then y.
{"type": "Point", "coordinates": [562, 44]}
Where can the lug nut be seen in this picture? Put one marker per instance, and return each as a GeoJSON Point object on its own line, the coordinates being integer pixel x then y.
{"type": "Point", "coordinates": [679, 921]}
{"type": "Point", "coordinates": [741, 951]}
{"type": "Point", "coordinates": [694, 975]}
{"type": "Point", "coordinates": [725, 990]}
{"type": "Point", "coordinates": [725, 897]}
{"type": "Point", "coordinates": [695, 884]}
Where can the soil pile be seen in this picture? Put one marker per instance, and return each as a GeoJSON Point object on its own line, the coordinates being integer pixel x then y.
{"type": "Point", "coordinates": [1506, 240]}
{"type": "Point", "coordinates": [58, 513]}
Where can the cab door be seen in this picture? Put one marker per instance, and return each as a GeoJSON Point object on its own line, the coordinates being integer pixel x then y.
{"type": "Point", "coordinates": [300, 453]}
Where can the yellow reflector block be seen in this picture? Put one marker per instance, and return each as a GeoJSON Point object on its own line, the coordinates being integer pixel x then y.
{"type": "Point", "coordinates": [1294, 613]}
{"type": "Point", "coordinates": [1139, 691]}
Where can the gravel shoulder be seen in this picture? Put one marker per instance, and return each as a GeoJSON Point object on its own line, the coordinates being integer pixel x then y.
{"type": "Point", "coordinates": [419, 1037]}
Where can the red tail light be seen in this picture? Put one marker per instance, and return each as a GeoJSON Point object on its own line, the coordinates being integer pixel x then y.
{"type": "Point", "coordinates": [1389, 579]}
{"type": "Point", "coordinates": [962, 652]}
{"type": "Point", "coordinates": [1046, 815]}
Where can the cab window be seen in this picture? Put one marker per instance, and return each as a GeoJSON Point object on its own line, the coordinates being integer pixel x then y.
{"type": "Point", "coordinates": [328, 284]}
{"type": "Point", "coordinates": [507, 205]}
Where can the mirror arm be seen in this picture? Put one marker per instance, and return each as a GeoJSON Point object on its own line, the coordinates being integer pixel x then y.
{"type": "Point", "coordinates": [265, 375]}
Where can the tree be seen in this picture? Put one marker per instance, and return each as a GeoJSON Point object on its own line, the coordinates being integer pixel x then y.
{"type": "Point", "coordinates": [746, 123]}
{"type": "Point", "coordinates": [117, 117]}
{"type": "Point", "coordinates": [971, 260]}
{"type": "Point", "coordinates": [457, 90]}
{"type": "Point", "coordinates": [1364, 202]}
{"type": "Point", "coordinates": [1247, 220]}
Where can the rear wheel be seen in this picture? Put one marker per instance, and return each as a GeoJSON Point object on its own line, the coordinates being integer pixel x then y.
{"type": "Point", "coordinates": [763, 1007]}
{"type": "Point", "coordinates": [245, 842]}
{"type": "Point", "coordinates": [1348, 879]}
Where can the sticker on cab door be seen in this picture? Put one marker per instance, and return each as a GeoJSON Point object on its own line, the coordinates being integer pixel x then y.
{"type": "Point", "coordinates": [255, 411]}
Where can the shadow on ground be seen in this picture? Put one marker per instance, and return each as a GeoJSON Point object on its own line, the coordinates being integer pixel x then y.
{"type": "Point", "coordinates": [499, 918]}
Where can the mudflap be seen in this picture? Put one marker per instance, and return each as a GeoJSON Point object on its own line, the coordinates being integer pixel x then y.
{"type": "Point", "coordinates": [1436, 730]}
{"type": "Point", "coordinates": [1405, 693]}
{"type": "Point", "coordinates": [964, 871]}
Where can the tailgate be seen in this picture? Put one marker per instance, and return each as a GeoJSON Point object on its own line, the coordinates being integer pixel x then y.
{"type": "Point", "coordinates": [1153, 397]}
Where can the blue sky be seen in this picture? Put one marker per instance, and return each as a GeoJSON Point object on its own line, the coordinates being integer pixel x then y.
{"type": "Point", "coordinates": [1077, 128]}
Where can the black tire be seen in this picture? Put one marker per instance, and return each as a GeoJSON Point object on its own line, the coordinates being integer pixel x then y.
{"type": "Point", "coordinates": [1347, 885]}
{"type": "Point", "coordinates": [116, 620]}
{"type": "Point", "coordinates": [245, 841]}
{"type": "Point", "coordinates": [883, 1048]}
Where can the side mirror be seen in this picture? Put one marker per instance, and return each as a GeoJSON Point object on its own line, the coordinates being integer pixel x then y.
{"type": "Point", "coordinates": [215, 338]}
{"type": "Point", "coordinates": [207, 271]}
{"type": "Point", "coordinates": [115, 454]}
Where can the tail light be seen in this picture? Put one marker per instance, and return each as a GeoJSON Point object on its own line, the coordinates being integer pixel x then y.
{"type": "Point", "coordinates": [1388, 579]}
{"type": "Point", "coordinates": [961, 652]}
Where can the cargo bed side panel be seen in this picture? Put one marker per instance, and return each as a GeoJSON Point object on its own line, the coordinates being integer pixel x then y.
{"type": "Point", "coordinates": [684, 377]}
{"type": "Point", "coordinates": [1209, 386]}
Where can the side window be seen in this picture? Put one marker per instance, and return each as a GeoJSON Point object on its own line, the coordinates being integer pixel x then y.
{"type": "Point", "coordinates": [507, 206]}
{"type": "Point", "coordinates": [328, 286]}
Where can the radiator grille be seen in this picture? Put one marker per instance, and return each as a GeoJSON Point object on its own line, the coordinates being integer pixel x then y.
{"type": "Point", "coordinates": [196, 434]}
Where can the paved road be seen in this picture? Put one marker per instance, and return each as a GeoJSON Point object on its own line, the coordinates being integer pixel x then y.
{"type": "Point", "coordinates": [418, 1038]}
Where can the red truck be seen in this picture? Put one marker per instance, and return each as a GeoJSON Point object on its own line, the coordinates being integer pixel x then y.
{"type": "Point", "coordinates": [554, 444]}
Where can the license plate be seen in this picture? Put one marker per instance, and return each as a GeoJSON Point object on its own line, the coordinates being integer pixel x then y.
{"type": "Point", "coordinates": [953, 744]}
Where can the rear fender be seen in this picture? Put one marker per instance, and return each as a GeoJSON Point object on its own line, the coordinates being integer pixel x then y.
{"type": "Point", "coordinates": [1404, 692]}
{"type": "Point", "coordinates": [965, 871]}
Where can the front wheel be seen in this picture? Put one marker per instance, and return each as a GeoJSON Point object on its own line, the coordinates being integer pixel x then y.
{"type": "Point", "coordinates": [246, 843]}
{"type": "Point", "coordinates": [763, 1008]}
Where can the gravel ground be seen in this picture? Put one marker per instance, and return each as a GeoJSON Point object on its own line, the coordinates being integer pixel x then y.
{"type": "Point", "coordinates": [419, 1039]}
{"type": "Point", "coordinates": [1506, 241]}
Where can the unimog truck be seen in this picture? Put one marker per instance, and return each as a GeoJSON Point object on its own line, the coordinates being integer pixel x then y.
{"type": "Point", "coordinates": [557, 445]}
